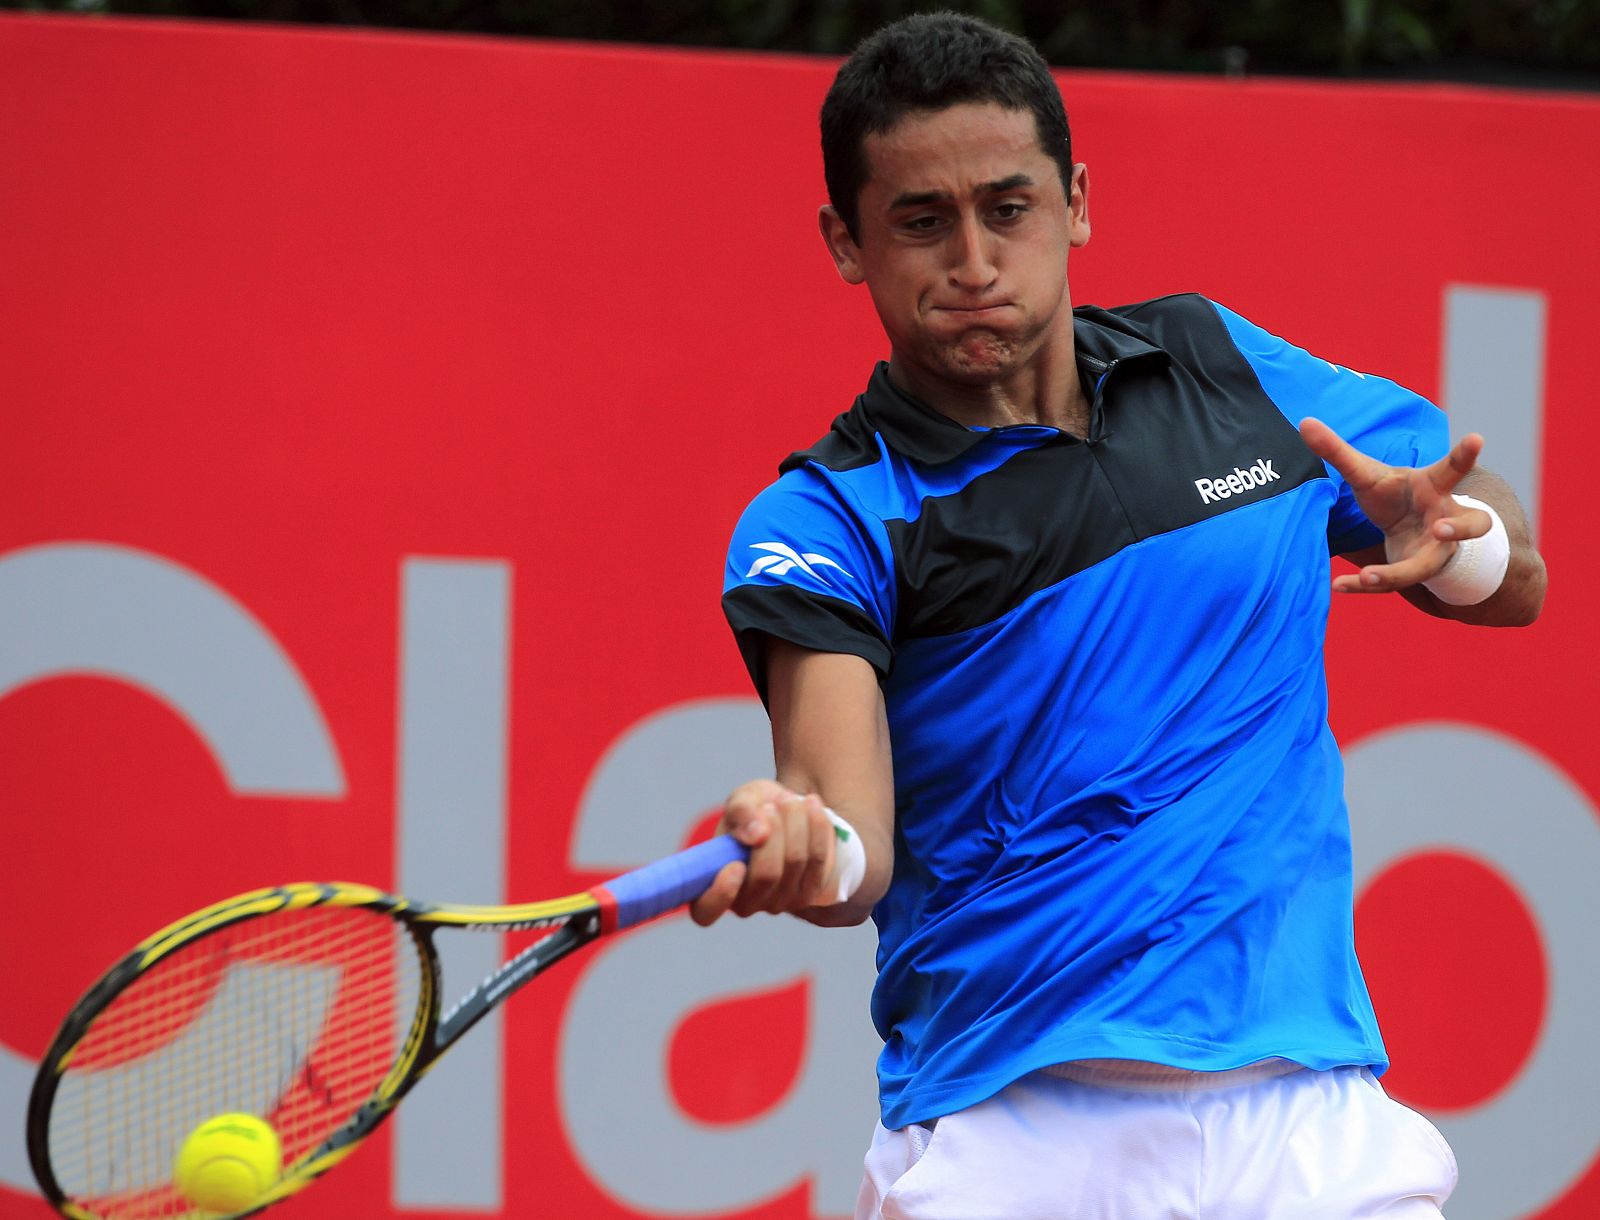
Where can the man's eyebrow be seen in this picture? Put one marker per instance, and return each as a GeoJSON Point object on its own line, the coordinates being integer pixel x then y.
{"type": "Point", "coordinates": [917, 199]}
{"type": "Point", "coordinates": [1006, 184]}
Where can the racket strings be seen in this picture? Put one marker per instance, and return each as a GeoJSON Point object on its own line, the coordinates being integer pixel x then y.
{"type": "Point", "coordinates": [293, 1016]}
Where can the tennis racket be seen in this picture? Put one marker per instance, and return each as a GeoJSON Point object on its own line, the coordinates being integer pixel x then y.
{"type": "Point", "coordinates": [315, 1007]}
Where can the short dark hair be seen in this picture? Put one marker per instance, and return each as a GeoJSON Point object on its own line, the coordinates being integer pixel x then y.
{"type": "Point", "coordinates": [931, 61]}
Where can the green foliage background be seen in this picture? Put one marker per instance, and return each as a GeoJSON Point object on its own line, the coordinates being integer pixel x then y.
{"type": "Point", "coordinates": [1533, 42]}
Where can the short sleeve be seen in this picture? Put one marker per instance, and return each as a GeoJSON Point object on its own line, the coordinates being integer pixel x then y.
{"type": "Point", "coordinates": [1381, 419]}
{"type": "Point", "coordinates": [807, 565]}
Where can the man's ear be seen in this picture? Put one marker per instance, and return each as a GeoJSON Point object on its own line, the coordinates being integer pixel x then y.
{"type": "Point", "coordinates": [841, 246]}
{"type": "Point", "coordinates": [1078, 205]}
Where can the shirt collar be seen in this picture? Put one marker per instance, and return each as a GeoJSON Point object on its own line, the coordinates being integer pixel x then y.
{"type": "Point", "coordinates": [913, 428]}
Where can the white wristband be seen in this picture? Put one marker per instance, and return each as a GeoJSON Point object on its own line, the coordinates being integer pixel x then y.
{"type": "Point", "coordinates": [1478, 566]}
{"type": "Point", "coordinates": [849, 857]}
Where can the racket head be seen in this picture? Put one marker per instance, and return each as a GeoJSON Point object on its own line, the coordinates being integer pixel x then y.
{"type": "Point", "coordinates": [312, 1006]}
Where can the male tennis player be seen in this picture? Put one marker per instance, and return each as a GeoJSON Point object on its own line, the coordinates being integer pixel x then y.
{"type": "Point", "coordinates": [1043, 616]}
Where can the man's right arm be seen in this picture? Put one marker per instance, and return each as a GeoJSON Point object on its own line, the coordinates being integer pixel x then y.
{"type": "Point", "coordinates": [830, 738]}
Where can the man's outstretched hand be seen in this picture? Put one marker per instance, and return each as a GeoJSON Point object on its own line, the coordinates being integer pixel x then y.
{"type": "Point", "coordinates": [1421, 521]}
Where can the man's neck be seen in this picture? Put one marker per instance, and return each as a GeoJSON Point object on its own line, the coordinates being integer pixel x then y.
{"type": "Point", "coordinates": [1046, 391]}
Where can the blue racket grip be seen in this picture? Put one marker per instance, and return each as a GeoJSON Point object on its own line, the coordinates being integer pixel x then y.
{"type": "Point", "coordinates": [647, 892]}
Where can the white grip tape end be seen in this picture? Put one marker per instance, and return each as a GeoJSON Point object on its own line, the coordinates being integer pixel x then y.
{"type": "Point", "coordinates": [849, 857]}
{"type": "Point", "coordinates": [1478, 565]}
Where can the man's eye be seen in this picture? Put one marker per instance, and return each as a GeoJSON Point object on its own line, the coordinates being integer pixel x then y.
{"type": "Point", "coordinates": [923, 224]}
{"type": "Point", "coordinates": [1010, 211]}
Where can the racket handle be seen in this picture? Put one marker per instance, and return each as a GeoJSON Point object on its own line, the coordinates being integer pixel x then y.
{"type": "Point", "coordinates": [647, 892]}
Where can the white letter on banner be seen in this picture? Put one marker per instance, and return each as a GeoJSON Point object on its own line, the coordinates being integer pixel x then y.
{"type": "Point", "coordinates": [1493, 380]}
{"type": "Point", "coordinates": [1431, 786]}
{"type": "Point", "coordinates": [129, 615]}
{"type": "Point", "coordinates": [616, 1098]}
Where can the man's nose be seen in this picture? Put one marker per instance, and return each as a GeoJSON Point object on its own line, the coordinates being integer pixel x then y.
{"type": "Point", "coordinates": [972, 256]}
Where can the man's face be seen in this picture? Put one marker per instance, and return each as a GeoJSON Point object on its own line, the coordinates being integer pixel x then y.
{"type": "Point", "coordinates": [964, 231]}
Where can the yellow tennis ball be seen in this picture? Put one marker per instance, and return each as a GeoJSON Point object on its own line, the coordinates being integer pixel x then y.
{"type": "Point", "coordinates": [228, 1163]}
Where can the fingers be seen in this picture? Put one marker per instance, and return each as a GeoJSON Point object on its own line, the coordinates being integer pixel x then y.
{"type": "Point", "coordinates": [1391, 577]}
{"type": "Point", "coordinates": [714, 903]}
{"type": "Point", "coordinates": [746, 813]}
{"type": "Point", "coordinates": [1426, 558]}
{"type": "Point", "coordinates": [1455, 465]}
{"type": "Point", "coordinates": [787, 868]}
{"type": "Point", "coordinates": [815, 885]}
{"type": "Point", "coordinates": [1462, 525]}
{"type": "Point", "coordinates": [1360, 470]}
{"type": "Point", "coordinates": [1357, 468]}
{"type": "Point", "coordinates": [791, 852]}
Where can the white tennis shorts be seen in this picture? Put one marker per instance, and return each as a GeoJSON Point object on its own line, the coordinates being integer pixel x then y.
{"type": "Point", "coordinates": [1078, 1142]}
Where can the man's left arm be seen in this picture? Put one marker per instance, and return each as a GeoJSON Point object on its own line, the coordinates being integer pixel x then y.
{"type": "Point", "coordinates": [1425, 525]}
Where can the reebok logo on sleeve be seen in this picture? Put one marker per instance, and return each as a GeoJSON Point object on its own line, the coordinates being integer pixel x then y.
{"type": "Point", "coordinates": [1238, 482]}
{"type": "Point", "coordinates": [784, 559]}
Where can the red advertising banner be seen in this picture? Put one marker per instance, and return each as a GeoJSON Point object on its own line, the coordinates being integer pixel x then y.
{"type": "Point", "coordinates": [374, 412]}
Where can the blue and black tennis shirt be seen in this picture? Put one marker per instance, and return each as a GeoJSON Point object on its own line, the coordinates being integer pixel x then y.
{"type": "Point", "coordinates": [1120, 827]}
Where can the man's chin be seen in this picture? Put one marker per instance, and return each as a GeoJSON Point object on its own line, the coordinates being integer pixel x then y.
{"type": "Point", "coordinates": [978, 358]}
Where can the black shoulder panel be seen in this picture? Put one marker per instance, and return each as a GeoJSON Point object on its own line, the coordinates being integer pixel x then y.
{"type": "Point", "coordinates": [973, 556]}
{"type": "Point", "coordinates": [1203, 438]}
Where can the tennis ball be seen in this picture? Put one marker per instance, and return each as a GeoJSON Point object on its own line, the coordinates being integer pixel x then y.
{"type": "Point", "coordinates": [228, 1163]}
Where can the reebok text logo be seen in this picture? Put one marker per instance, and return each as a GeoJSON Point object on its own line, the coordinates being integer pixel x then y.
{"type": "Point", "coordinates": [1240, 481]}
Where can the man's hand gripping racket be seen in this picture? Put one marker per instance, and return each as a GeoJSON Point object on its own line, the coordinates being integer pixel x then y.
{"type": "Point", "coordinates": [314, 1008]}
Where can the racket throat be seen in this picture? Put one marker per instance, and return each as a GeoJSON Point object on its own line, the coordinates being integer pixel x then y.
{"type": "Point", "coordinates": [512, 976]}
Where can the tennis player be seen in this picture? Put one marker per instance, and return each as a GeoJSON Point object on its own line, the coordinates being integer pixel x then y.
{"type": "Point", "coordinates": [1043, 616]}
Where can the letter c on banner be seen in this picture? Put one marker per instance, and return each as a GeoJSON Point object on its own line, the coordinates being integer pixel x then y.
{"type": "Point", "coordinates": [1424, 787]}
{"type": "Point", "coordinates": [135, 617]}
{"type": "Point", "coordinates": [615, 1094]}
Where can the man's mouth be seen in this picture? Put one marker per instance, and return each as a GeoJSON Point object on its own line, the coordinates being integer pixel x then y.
{"type": "Point", "coordinates": [974, 313]}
